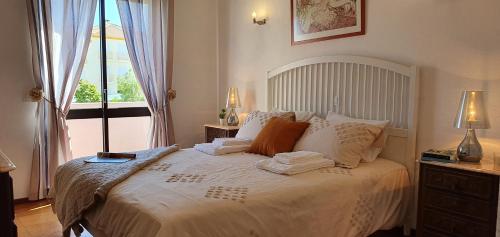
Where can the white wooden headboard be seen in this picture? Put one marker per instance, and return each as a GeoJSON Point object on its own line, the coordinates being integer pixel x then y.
{"type": "Point", "coordinates": [358, 87]}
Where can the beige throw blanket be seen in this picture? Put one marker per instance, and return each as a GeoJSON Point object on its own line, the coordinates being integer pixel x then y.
{"type": "Point", "coordinates": [78, 185]}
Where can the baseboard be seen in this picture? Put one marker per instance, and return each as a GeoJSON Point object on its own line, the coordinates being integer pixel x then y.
{"type": "Point", "coordinates": [21, 201]}
{"type": "Point", "coordinates": [25, 200]}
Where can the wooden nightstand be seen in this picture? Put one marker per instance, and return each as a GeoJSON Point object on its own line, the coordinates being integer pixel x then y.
{"type": "Point", "coordinates": [457, 199]}
{"type": "Point", "coordinates": [8, 226]}
{"type": "Point", "coordinates": [213, 131]}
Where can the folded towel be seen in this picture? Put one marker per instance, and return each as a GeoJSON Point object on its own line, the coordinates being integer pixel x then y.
{"type": "Point", "coordinates": [231, 141]}
{"type": "Point", "coordinates": [291, 158]}
{"type": "Point", "coordinates": [279, 168]}
{"type": "Point", "coordinates": [215, 150]}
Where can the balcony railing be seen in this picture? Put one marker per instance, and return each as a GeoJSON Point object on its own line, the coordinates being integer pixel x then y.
{"type": "Point", "coordinates": [125, 134]}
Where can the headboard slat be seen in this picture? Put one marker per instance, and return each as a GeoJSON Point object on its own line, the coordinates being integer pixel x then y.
{"type": "Point", "coordinates": [348, 88]}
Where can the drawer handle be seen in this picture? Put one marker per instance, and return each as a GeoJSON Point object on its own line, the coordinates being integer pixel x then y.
{"type": "Point", "coordinates": [455, 229]}
{"type": "Point", "coordinates": [456, 187]}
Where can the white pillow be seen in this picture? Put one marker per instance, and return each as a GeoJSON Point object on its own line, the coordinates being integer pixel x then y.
{"type": "Point", "coordinates": [256, 120]}
{"type": "Point", "coordinates": [300, 116]}
{"type": "Point", "coordinates": [343, 142]}
{"type": "Point", "coordinates": [303, 116]}
{"type": "Point", "coordinates": [372, 152]}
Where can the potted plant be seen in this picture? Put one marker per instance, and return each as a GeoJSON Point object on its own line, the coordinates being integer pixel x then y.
{"type": "Point", "coordinates": [222, 117]}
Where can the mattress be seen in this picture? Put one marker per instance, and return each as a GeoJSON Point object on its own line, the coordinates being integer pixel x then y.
{"type": "Point", "coordinates": [189, 193]}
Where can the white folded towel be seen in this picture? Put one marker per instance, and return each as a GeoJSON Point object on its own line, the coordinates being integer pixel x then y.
{"type": "Point", "coordinates": [279, 168]}
{"type": "Point", "coordinates": [291, 158]}
{"type": "Point", "coordinates": [231, 141]}
{"type": "Point", "coordinates": [215, 150]}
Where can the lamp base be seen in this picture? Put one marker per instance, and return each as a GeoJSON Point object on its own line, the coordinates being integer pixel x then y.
{"type": "Point", "coordinates": [470, 150]}
{"type": "Point", "coordinates": [232, 118]}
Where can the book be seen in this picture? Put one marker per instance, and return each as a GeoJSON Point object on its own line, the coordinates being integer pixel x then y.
{"type": "Point", "coordinates": [111, 155]}
{"type": "Point", "coordinates": [424, 158]}
{"type": "Point", "coordinates": [447, 156]}
{"type": "Point", "coordinates": [107, 160]}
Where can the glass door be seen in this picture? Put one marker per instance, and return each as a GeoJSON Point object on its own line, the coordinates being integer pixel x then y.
{"type": "Point", "coordinates": [109, 111]}
{"type": "Point", "coordinates": [124, 92]}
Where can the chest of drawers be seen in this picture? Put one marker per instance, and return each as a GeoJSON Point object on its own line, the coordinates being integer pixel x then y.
{"type": "Point", "coordinates": [7, 226]}
{"type": "Point", "coordinates": [455, 202]}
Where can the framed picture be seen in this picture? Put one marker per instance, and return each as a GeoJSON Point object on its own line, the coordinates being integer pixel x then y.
{"type": "Point", "coordinates": [318, 20]}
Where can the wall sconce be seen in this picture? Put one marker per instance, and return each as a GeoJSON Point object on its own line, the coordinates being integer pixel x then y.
{"type": "Point", "coordinates": [258, 22]}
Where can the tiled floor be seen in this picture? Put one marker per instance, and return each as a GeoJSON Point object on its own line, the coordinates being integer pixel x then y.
{"type": "Point", "coordinates": [37, 220]}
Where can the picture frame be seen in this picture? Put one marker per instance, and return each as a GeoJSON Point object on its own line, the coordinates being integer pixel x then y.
{"type": "Point", "coordinates": [319, 20]}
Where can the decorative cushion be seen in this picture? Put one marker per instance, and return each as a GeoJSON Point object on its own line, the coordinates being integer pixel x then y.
{"type": "Point", "coordinates": [256, 120]}
{"type": "Point", "coordinates": [372, 152]}
{"type": "Point", "coordinates": [343, 142]}
{"type": "Point", "coordinates": [279, 135]}
{"type": "Point", "coordinates": [300, 116]}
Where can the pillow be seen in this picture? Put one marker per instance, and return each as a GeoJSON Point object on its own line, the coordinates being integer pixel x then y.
{"type": "Point", "coordinates": [372, 152]}
{"type": "Point", "coordinates": [279, 135]}
{"type": "Point", "coordinates": [300, 116]}
{"type": "Point", "coordinates": [343, 142]}
{"type": "Point", "coordinates": [256, 120]}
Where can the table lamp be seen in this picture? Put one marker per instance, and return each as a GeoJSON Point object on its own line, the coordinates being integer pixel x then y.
{"type": "Point", "coordinates": [471, 115]}
{"type": "Point", "coordinates": [5, 164]}
{"type": "Point", "coordinates": [233, 101]}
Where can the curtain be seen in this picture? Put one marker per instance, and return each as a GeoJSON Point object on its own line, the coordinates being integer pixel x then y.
{"type": "Point", "coordinates": [60, 35]}
{"type": "Point", "coordinates": [148, 31]}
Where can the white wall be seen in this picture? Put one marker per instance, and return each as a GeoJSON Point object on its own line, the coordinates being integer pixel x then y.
{"type": "Point", "coordinates": [195, 64]}
{"type": "Point", "coordinates": [194, 78]}
{"type": "Point", "coordinates": [16, 115]}
{"type": "Point", "coordinates": [455, 44]}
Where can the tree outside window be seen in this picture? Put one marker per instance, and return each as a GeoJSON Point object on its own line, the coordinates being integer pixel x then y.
{"type": "Point", "coordinates": [87, 92]}
{"type": "Point", "coordinates": [128, 88]}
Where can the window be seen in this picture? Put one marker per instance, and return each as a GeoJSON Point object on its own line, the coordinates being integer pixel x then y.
{"type": "Point", "coordinates": [109, 111]}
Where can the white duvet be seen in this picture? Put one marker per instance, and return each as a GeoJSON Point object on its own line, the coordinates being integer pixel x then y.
{"type": "Point", "coordinates": [189, 193]}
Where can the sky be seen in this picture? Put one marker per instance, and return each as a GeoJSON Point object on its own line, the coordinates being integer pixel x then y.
{"type": "Point", "coordinates": [111, 13]}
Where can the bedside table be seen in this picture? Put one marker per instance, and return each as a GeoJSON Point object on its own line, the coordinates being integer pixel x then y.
{"type": "Point", "coordinates": [213, 131]}
{"type": "Point", "coordinates": [457, 199]}
{"type": "Point", "coordinates": [7, 215]}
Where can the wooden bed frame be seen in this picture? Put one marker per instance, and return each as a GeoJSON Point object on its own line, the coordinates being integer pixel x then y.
{"type": "Point", "coordinates": [358, 87]}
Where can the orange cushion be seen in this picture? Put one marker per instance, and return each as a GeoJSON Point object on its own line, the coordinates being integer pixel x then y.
{"type": "Point", "coordinates": [279, 135]}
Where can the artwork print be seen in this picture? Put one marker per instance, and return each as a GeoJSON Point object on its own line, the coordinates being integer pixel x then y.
{"type": "Point", "coordinates": [317, 20]}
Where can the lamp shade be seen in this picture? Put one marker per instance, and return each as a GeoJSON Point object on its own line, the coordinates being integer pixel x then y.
{"type": "Point", "coordinates": [472, 111]}
{"type": "Point", "coordinates": [5, 164]}
{"type": "Point", "coordinates": [233, 98]}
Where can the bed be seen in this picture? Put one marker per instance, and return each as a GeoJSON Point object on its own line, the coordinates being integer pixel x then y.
{"type": "Point", "coordinates": [252, 202]}
{"type": "Point", "coordinates": [188, 193]}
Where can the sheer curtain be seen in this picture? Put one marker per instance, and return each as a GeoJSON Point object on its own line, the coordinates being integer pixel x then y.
{"type": "Point", "coordinates": [60, 35]}
{"type": "Point", "coordinates": [148, 28]}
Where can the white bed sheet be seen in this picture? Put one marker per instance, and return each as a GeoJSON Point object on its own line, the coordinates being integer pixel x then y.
{"type": "Point", "coordinates": [326, 202]}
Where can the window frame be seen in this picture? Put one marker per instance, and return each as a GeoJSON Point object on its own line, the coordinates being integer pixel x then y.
{"type": "Point", "coordinates": [105, 113]}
